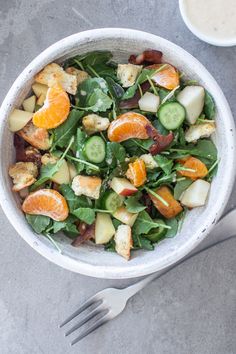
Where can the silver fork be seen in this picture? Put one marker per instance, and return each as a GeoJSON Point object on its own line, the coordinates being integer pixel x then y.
{"type": "Point", "coordinates": [110, 302]}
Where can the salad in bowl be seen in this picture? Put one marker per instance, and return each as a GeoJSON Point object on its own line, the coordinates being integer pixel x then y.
{"type": "Point", "coordinates": [113, 153]}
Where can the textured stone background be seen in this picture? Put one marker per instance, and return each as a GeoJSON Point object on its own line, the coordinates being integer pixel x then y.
{"type": "Point", "coordinates": [192, 309]}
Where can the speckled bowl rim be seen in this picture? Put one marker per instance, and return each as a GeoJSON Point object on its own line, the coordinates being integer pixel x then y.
{"type": "Point", "coordinates": [114, 272]}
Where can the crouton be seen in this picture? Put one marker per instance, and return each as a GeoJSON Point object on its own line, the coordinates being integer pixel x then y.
{"type": "Point", "coordinates": [37, 137]}
{"type": "Point", "coordinates": [49, 158]}
{"type": "Point", "coordinates": [198, 131]}
{"type": "Point", "coordinates": [94, 123]}
{"type": "Point", "coordinates": [127, 73]}
{"type": "Point", "coordinates": [86, 185]}
{"type": "Point", "coordinates": [23, 174]}
{"type": "Point", "coordinates": [123, 240]}
{"type": "Point", "coordinates": [54, 73]}
{"type": "Point", "coordinates": [80, 74]}
{"type": "Point", "coordinates": [149, 161]}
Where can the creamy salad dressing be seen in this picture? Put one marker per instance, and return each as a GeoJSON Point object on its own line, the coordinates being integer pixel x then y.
{"type": "Point", "coordinates": [214, 18]}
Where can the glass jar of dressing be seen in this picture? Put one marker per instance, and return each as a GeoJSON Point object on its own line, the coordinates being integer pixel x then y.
{"type": "Point", "coordinates": [213, 21]}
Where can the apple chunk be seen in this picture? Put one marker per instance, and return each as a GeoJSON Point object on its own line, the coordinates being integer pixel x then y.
{"type": "Point", "coordinates": [125, 216]}
{"type": "Point", "coordinates": [196, 194]}
{"type": "Point", "coordinates": [62, 176]}
{"type": "Point", "coordinates": [29, 103]}
{"type": "Point", "coordinates": [18, 119]}
{"type": "Point", "coordinates": [192, 98]}
{"type": "Point", "coordinates": [122, 186]}
{"type": "Point", "coordinates": [104, 229]}
{"type": "Point", "coordinates": [39, 89]}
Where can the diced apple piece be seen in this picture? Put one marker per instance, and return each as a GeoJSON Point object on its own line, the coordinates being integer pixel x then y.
{"type": "Point", "coordinates": [196, 194]}
{"type": "Point", "coordinates": [122, 186]}
{"type": "Point", "coordinates": [192, 98]}
{"type": "Point", "coordinates": [18, 119]}
{"type": "Point", "coordinates": [104, 228]}
{"type": "Point", "coordinates": [29, 104]}
{"type": "Point", "coordinates": [149, 102]}
{"type": "Point", "coordinates": [125, 216]}
{"type": "Point", "coordinates": [62, 175]}
{"type": "Point", "coordinates": [41, 99]}
{"type": "Point", "coordinates": [123, 240]}
{"type": "Point", "coordinates": [72, 170]}
{"type": "Point", "coordinates": [39, 89]}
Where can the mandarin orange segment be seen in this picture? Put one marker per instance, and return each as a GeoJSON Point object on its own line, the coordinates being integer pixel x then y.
{"type": "Point", "coordinates": [128, 125]}
{"type": "Point", "coordinates": [168, 77]}
{"type": "Point", "coordinates": [46, 202]}
{"type": "Point", "coordinates": [197, 169]}
{"type": "Point", "coordinates": [55, 110]}
{"type": "Point", "coordinates": [136, 173]}
{"type": "Point", "coordinates": [172, 208]}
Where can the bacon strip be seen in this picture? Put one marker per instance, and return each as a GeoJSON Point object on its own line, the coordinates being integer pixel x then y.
{"type": "Point", "coordinates": [85, 235]}
{"type": "Point", "coordinates": [149, 56]}
{"type": "Point", "coordinates": [161, 142]}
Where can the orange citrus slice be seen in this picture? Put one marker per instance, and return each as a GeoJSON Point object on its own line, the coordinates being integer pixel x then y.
{"type": "Point", "coordinates": [55, 109]}
{"type": "Point", "coordinates": [136, 173]}
{"type": "Point", "coordinates": [128, 125]}
{"type": "Point", "coordinates": [168, 77]}
{"type": "Point", "coordinates": [195, 168]}
{"type": "Point", "coordinates": [46, 202]}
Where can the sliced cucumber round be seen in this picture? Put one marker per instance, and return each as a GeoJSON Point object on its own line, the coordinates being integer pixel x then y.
{"type": "Point", "coordinates": [112, 200]}
{"type": "Point", "coordinates": [171, 115]}
{"type": "Point", "coordinates": [95, 149]}
{"type": "Point", "coordinates": [157, 234]}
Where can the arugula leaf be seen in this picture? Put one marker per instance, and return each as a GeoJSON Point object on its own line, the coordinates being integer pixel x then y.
{"type": "Point", "coordinates": [98, 101]}
{"type": "Point", "coordinates": [161, 129]}
{"type": "Point", "coordinates": [65, 131]}
{"type": "Point", "coordinates": [181, 186]}
{"type": "Point", "coordinates": [209, 106]}
{"type": "Point", "coordinates": [73, 200]}
{"type": "Point", "coordinates": [204, 148]}
{"type": "Point", "coordinates": [141, 78]}
{"type": "Point", "coordinates": [46, 173]}
{"type": "Point", "coordinates": [115, 89]}
{"type": "Point", "coordinates": [140, 242]}
{"type": "Point", "coordinates": [174, 224]}
{"type": "Point", "coordinates": [39, 223]}
{"type": "Point", "coordinates": [85, 214]}
{"type": "Point", "coordinates": [165, 179]}
{"type": "Point", "coordinates": [137, 147]}
{"type": "Point", "coordinates": [133, 205]}
{"type": "Point", "coordinates": [164, 163]}
{"type": "Point", "coordinates": [144, 223]}
{"type": "Point", "coordinates": [67, 225]}
{"type": "Point", "coordinates": [116, 223]}
{"type": "Point", "coordinates": [116, 150]}
{"type": "Point", "coordinates": [110, 246]}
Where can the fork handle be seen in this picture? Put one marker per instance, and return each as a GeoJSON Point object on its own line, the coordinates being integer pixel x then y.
{"type": "Point", "coordinates": [226, 223]}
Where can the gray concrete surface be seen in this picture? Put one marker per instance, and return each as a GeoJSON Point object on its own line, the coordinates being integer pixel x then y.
{"type": "Point", "coordinates": [191, 310]}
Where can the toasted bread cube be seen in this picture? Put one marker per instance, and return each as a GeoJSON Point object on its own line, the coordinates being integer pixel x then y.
{"type": "Point", "coordinates": [94, 123]}
{"type": "Point", "coordinates": [80, 74]}
{"type": "Point", "coordinates": [23, 174]}
{"type": "Point", "coordinates": [37, 137]}
{"type": "Point", "coordinates": [123, 240]}
{"type": "Point", "coordinates": [127, 73]}
{"type": "Point", "coordinates": [87, 185]}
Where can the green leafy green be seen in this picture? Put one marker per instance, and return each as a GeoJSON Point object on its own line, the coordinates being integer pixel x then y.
{"type": "Point", "coordinates": [39, 223]}
{"type": "Point", "coordinates": [67, 225]}
{"type": "Point", "coordinates": [110, 246]}
{"type": "Point", "coordinates": [140, 242]}
{"type": "Point", "coordinates": [164, 163]}
{"type": "Point", "coordinates": [133, 205]}
{"type": "Point", "coordinates": [85, 214]}
{"type": "Point", "coordinates": [209, 106]}
{"type": "Point", "coordinates": [98, 101]}
{"type": "Point", "coordinates": [174, 224]}
{"type": "Point", "coordinates": [65, 131]}
{"type": "Point", "coordinates": [181, 186]}
{"type": "Point", "coordinates": [73, 200]}
{"type": "Point", "coordinates": [204, 148]}
{"type": "Point", "coordinates": [46, 173]}
{"type": "Point", "coordinates": [144, 223]}
{"type": "Point", "coordinates": [115, 150]}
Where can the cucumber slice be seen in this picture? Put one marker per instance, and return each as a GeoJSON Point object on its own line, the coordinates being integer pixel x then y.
{"type": "Point", "coordinates": [112, 200]}
{"type": "Point", "coordinates": [171, 115]}
{"type": "Point", "coordinates": [95, 149]}
{"type": "Point", "coordinates": [157, 234]}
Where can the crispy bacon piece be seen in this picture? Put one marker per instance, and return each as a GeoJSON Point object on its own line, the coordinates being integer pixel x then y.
{"type": "Point", "coordinates": [26, 154]}
{"type": "Point", "coordinates": [161, 142]}
{"type": "Point", "coordinates": [150, 56]}
{"type": "Point", "coordinates": [133, 101]}
{"type": "Point", "coordinates": [87, 233]}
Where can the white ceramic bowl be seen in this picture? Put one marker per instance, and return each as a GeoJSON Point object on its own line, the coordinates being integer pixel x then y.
{"type": "Point", "coordinates": [199, 33]}
{"type": "Point", "coordinates": [89, 259]}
